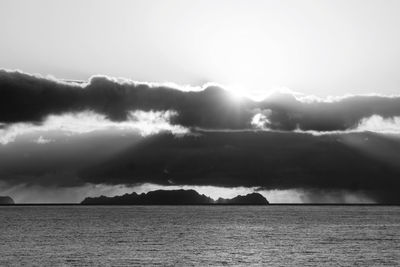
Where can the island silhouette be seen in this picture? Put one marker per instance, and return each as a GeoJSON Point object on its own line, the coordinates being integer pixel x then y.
{"type": "Point", "coordinates": [6, 200]}
{"type": "Point", "coordinates": [174, 197]}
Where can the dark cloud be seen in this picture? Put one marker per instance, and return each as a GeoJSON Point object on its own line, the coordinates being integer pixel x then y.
{"type": "Point", "coordinates": [26, 98]}
{"type": "Point", "coordinates": [287, 113]}
{"type": "Point", "coordinates": [356, 163]}
{"type": "Point", "coordinates": [212, 154]}
{"type": "Point", "coordinates": [56, 164]}
{"type": "Point", "coordinates": [254, 159]}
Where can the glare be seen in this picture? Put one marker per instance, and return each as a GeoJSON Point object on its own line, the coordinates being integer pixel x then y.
{"type": "Point", "coordinates": [240, 92]}
{"type": "Point", "coordinates": [236, 96]}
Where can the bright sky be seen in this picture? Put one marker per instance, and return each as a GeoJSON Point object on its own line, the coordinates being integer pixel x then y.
{"type": "Point", "coordinates": [321, 47]}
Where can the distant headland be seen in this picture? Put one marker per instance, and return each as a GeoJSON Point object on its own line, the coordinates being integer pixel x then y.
{"type": "Point", "coordinates": [174, 197]}
{"type": "Point", "coordinates": [6, 200]}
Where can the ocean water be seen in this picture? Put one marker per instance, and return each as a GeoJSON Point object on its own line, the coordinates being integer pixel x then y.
{"type": "Point", "coordinates": [200, 235]}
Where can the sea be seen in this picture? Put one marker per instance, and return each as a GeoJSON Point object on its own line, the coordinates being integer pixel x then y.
{"type": "Point", "coordinates": [274, 235]}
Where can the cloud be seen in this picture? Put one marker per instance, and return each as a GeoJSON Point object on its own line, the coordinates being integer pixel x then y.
{"type": "Point", "coordinates": [260, 120]}
{"type": "Point", "coordinates": [316, 196]}
{"type": "Point", "coordinates": [56, 164]}
{"type": "Point", "coordinates": [270, 160]}
{"type": "Point", "coordinates": [145, 123]}
{"type": "Point", "coordinates": [288, 113]}
{"type": "Point", "coordinates": [23, 193]}
{"type": "Point", "coordinates": [118, 132]}
{"type": "Point", "coordinates": [27, 98]}
{"type": "Point", "coordinates": [41, 140]}
{"type": "Point", "coordinates": [379, 124]}
{"type": "Point", "coordinates": [32, 99]}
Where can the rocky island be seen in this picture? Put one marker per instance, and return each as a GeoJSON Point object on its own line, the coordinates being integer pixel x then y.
{"type": "Point", "coordinates": [174, 197]}
{"type": "Point", "coordinates": [6, 200]}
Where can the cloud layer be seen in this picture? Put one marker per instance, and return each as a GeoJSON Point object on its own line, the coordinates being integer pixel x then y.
{"type": "Point", "coordinates": [27, 98]}
{"type": "Point", "coordinates": [118, 132]}
{"type": "Point", "coordinates": [353, 162]}
{"type": "Point", "coordinates": [144, 123]}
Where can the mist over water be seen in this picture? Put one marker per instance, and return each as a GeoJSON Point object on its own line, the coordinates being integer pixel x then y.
{"type": "Point", "coordinates": [187, 235]}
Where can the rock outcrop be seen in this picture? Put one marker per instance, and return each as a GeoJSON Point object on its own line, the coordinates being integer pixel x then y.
{"type": "Point", "coordinates": [6, 200]}
{"type": "Point", "coordinates": [250, 199]}
{"type": "Point", "coordinates": [174, 197]}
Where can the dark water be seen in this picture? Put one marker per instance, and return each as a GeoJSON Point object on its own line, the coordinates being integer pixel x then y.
{"type": "Point", "coordinates": [200, 235]}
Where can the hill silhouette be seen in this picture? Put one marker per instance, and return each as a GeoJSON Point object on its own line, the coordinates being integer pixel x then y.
{"type": "Point", "coordinates": [174, 197]}
{"type": "Point", "coordinates": [6, 200]}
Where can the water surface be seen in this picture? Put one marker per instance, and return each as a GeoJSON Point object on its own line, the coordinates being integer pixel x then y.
{"type": "Point", "coordinates": [200, 235]}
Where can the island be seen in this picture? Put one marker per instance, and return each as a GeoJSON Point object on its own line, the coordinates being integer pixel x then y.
{"type": "Point", "coordinates": [6, 200]}
{"type": "Point", "coordinates": [174, 197]}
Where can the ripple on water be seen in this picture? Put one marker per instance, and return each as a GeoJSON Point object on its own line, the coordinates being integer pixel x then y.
{"type": "Point", "coordinates": [200, 235]}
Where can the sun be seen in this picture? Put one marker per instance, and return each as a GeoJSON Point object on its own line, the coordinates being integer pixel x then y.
{"type": "Point", "coordinates": [240, 92]}
{"type": "Point", "coordinates": [236, 96]}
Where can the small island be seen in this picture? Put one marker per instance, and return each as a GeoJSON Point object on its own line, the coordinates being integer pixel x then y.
{"type": "Point", "coordinates": [174, 197]}
{"type": "Point", "coordinates": [6, 200]}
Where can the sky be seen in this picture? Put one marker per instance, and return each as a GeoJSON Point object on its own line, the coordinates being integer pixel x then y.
{"type": "Point", "coordinates": [297, 100]}
{"type": "Point", "coordinates": [315, 47]}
